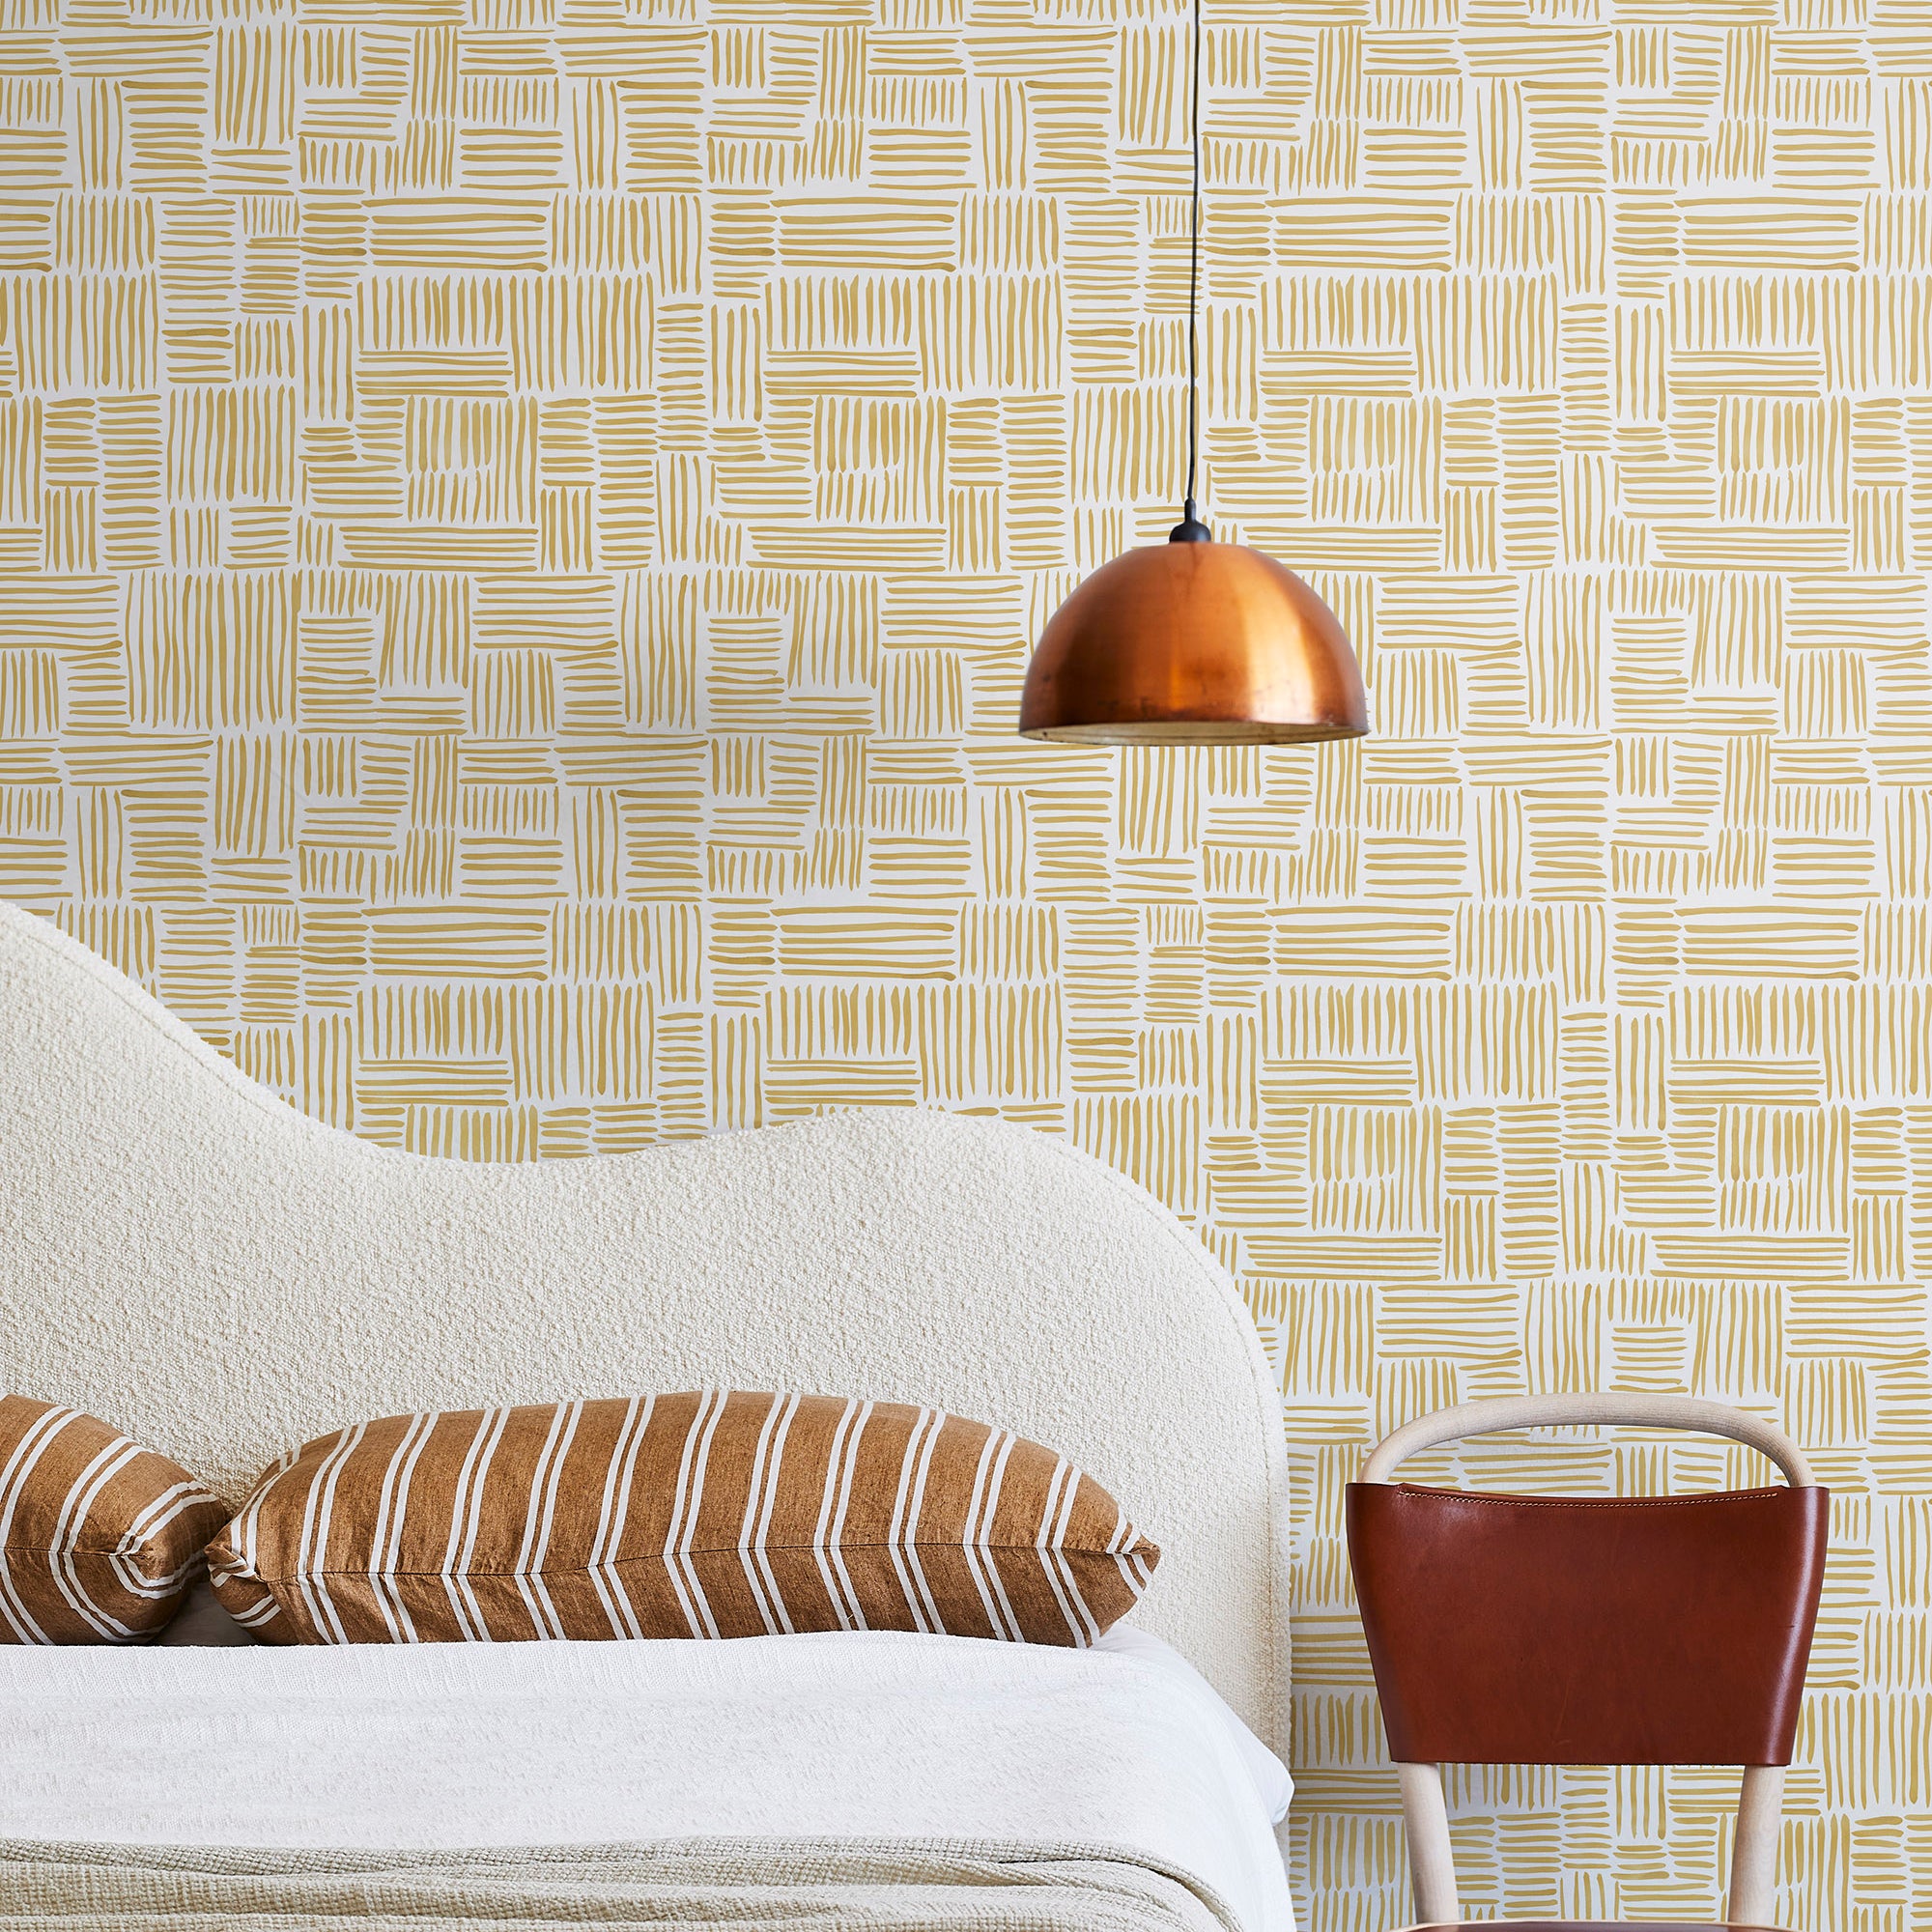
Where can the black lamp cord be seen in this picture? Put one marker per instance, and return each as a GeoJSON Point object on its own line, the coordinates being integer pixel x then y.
{"type": "Point", "coordinates": [1190, 529]}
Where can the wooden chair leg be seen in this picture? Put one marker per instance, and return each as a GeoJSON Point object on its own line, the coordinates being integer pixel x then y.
{"type": "Point", "coordinates": [1755, 1856]}
{"type": "Point", "coordinates": [1426, 1821]}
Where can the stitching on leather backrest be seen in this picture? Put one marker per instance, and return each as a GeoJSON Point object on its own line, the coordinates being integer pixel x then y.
{"type": "Point", "coordinates": [1589, 1502]}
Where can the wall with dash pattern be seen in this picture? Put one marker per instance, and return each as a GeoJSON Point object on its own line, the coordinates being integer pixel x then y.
{"type": "Point", "coordinates": [520, 526]}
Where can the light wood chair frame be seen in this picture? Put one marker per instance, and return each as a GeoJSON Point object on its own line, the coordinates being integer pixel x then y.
{"type": "Point", "coordinates": [1761, 1798]}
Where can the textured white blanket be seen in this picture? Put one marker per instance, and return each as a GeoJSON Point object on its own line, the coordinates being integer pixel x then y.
{"type": "Point", "coordinates": [862, 1737]}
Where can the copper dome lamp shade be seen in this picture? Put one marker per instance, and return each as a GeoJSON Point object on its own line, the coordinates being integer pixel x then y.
{"type": "Point", "coordinates": [1193, 642]}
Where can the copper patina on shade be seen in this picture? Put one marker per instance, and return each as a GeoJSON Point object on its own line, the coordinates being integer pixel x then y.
{"type": "Point", "coordinates": [1193, 643]}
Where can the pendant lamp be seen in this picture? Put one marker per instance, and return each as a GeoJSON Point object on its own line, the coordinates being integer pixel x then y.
{"type": "Point", "coordinates": [1193, 642]}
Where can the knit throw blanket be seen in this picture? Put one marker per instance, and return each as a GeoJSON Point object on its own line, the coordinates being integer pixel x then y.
{"type": "Point", "coordinates": [749, 1886]}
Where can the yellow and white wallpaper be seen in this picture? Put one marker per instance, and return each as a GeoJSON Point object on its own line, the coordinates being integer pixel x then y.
{"type": "Point", "coordinates": [520, 526]}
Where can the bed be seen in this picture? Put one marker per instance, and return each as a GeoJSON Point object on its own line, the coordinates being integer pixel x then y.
{"type": "Point", "coordinates": [183, 1253]}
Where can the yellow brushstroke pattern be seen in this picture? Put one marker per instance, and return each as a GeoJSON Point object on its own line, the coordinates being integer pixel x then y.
{"type": "Point", "coordinates": [520, 526]}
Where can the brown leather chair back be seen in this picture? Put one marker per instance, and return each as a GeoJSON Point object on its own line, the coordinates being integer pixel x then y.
{"type": "Point", "coordinates": [1543, 1630]}
{"type": "Point", "coordinates": [1561, 1630]}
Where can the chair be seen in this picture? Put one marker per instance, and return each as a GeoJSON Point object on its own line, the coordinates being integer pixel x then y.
{"type": "Point", "coordinates": [1548, 1629]}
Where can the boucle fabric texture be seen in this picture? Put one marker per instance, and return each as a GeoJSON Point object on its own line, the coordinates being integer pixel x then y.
{"type": "Point", "coordinates": [98, 1537]}
{"type": "Point", "coordinates": [243, 1279]}
{"type": "Point", "coordinates": [707, 1514]}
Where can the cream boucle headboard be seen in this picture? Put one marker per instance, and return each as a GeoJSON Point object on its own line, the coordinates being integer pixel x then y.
{"type": "Point", "coordinates": [185, 1256]}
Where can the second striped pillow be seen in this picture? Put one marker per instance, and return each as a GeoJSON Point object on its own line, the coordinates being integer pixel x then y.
{"type": "Point", "coordinates": [709, 1513]}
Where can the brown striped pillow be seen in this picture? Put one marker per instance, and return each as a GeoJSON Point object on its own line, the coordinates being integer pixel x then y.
{"type": "Point", "coordinates": [698, 1515]}
{"type": "Point", "coordinates": [99, 1539]}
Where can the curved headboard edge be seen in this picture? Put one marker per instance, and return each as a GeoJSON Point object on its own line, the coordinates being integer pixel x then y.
{"type": "Point", "coordinates": [187, 1255]}
{"type": "Point", "coordinates": [17, 924]}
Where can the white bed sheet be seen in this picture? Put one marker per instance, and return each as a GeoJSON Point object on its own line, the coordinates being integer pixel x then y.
{"type": "Point", "coordinates": [867, 1736]}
